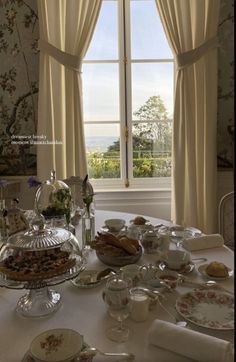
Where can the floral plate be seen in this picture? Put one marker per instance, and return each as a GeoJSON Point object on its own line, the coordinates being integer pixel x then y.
{"type": "Point", "coordinates": [202, 270]}
{"type": "Point", "coordinates": [207, 308]}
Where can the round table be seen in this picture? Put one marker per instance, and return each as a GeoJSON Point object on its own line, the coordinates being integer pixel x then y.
{"type": "Point", "coordinates": [84, 310]}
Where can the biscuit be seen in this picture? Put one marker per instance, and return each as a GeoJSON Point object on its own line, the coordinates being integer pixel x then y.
{"type": "Point", "coordinates": [139, 220]}
{"type": "Point", "coordinates": [109, 244]}
{"type": "Point", "coordinates": [217, 269]}
{"type": "Point", "coordinates": [128, 246]}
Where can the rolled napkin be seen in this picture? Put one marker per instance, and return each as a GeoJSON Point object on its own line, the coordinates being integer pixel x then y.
{"type": "Point", "coordinates": [203, 242]}
{"type": "Point", "coordinates": [189, 343]}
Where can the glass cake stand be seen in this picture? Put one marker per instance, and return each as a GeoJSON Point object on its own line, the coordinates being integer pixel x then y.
{"type": "Point", "coordinates": [30, 247]}
{"type": "Point", "coordinates": [41, 300]}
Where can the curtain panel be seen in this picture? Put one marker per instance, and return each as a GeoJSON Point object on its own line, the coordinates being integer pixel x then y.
{"type": "Point", "coordinates": [191, 29]}
{"type": "Point", "coordinates": [66, 28]}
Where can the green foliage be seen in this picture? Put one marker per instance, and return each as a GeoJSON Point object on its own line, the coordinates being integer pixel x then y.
{"type": "Point", "coordinates": [152, 167]}
{"type": "Point", "coordinates": [103, 167]}
{"type": "Point", "coordinates": [151, 135]}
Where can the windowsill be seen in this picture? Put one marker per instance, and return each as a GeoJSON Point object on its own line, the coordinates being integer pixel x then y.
{"type": "Point", "coordinates": [167, 189]}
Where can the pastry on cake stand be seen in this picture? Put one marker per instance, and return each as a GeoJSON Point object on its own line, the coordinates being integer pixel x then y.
{"type": "Point", "coordinates": [36, 260]}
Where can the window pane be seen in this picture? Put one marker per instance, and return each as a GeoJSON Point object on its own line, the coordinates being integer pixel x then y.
{"type": "Point", "coordinates": [148, 80]}
{"type": "Point", "coordinates": [148, 40]}
{"type": "Point", "coordinates": [101, 92]}
{"type": "Point", "coordinates": [103, 150]}
{"type": "Point", "coordinates": [104, 43]}
{"type": "Point", "coordinates": [152, 149]}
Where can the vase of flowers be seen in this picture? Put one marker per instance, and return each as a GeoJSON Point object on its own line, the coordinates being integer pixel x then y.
{"type": "Point", "coordinates": [3, 212]}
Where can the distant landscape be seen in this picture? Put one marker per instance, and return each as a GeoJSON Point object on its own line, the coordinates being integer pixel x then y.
{"type": "Point", "coordinates": [99, 143]}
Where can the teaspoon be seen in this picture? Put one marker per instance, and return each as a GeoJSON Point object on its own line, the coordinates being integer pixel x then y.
{"type": "Point", "coordinates": [178, 322]}
{"type": "Point", "coordinates": [207, 284]}
{"type": "Point", "coordinates": [92, 351]}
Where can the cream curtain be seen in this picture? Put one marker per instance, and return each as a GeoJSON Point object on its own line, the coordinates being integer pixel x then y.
{"type": "Point", "coordinates": [191, 29]}
{"type": "Point", "coordinates": [66, 28]}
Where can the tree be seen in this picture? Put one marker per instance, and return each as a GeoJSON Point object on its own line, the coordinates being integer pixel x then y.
{"type": "Point", "coordinates": [151, 136]}
{"type": "Point", "coordinates": [153, 129]}
{"type": "Point", "coordinates": [153, 124]}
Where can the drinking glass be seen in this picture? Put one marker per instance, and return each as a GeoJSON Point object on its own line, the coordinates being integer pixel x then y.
{"type": "Point", "coordinates": [116, 296]}
{"type": "Point", "coordinates": [177, 235]}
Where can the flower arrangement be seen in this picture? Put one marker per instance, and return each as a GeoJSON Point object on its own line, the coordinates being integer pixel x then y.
{"type": "Point", "coordinates": [33, 182]}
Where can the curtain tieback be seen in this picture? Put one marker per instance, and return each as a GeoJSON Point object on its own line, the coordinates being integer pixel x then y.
{"type": "Point", "coordinates": [192, 56]}
{"type": "Point", "coordinates": [68, 60]}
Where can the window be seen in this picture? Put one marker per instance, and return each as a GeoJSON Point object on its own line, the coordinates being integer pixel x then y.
{"type": "Point", "coordinates": [128, 87]}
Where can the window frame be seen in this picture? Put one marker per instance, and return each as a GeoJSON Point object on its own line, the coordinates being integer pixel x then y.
{"type": "Point", "coordinates": [124, 61]}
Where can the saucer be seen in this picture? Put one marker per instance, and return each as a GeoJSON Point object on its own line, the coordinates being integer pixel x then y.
{"type": "Point", "coordinates": [180, 232]}
{"type": "Point", "coordinates": [107, 230]}
{"type": "Point", "coordinates": [28, 358]}
{"type": "Point", "coordinates": [88, 279]}
{"type": "Point", "coordinates": [202, 270]}
{"type": "Point", "coordinates": [186, 270]}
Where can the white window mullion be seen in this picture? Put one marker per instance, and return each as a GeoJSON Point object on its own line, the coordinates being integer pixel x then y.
{"type": "Point", "coordinates": [128, 88]}
{"type": "Point", "coordinates": [122, 90]}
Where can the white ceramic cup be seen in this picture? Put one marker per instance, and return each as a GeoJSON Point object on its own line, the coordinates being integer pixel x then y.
{"type": "Point", "coordinates": [170, 277]}
{"type": "Point", "coordinates": [139, 305]}
{"type": "Point", "coordinates": [132, 274]}
{"type": "Point", "coordinates": [114, 224]}
{"type": "Point", "coordinates": [60, 345]}
{"type": "Point", "coordinates": [177, 259]}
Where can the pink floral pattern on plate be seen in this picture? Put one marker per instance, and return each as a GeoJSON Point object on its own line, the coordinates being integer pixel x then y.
{"type": "Point", "coordinates": [210, 309]}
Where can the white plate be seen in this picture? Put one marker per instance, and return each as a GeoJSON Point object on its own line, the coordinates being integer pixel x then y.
{"type": "Point", "coordinates": [207, 308]}
{"type": "Point", "coordinates": [107, 230]}
{"type": "Point", "coordinates": [202, 270]}
{"type": "Point", "coordinates": [87, 279]}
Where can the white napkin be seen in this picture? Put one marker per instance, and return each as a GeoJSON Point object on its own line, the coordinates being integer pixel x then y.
{"type": "Point", "coordinates": [189, 343]}
{"type": "Point", "coordinates": [203, 242]}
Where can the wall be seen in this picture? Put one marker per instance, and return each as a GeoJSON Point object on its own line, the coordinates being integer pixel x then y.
{"type": "Point", "coordinates": [18, 86]}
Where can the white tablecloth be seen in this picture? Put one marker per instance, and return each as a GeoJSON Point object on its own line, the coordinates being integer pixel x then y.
{"type": "Point", "coordinates": [85, 311]}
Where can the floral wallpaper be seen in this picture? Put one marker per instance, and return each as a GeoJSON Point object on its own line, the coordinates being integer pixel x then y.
{"type": "Point", "coordinates": [18, 86]}
{"type": "Point", "coordinates": [225, 133]}
{"type": "Point", "coordinates": [19, 61]}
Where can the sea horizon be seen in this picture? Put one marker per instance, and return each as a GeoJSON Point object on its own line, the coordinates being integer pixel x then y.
{"type": "Point", "coordinates": [99, 143]}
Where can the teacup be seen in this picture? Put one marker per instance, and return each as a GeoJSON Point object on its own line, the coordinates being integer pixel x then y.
{"type": "Point", "coordinates": [61, 345]}
{"type": "Point", "coordinates": [132, 273]}
{"type": "Point", "coordinates": [177, 259]}
{"type": "Point", "coordinates": [170, 277]}
{"type": "Point", "coordinates": [148, 272]}
{"type": "Point", "coordinates": [114, 225]}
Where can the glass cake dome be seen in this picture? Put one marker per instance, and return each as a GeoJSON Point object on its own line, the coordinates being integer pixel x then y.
{"type": "Point", "coordinates": [38, 258]}
{"type": "Point", "coordinates": [53, 199]}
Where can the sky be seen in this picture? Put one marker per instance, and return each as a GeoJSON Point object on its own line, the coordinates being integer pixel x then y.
{"type": "Point", "coordinates": [101, 81]}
